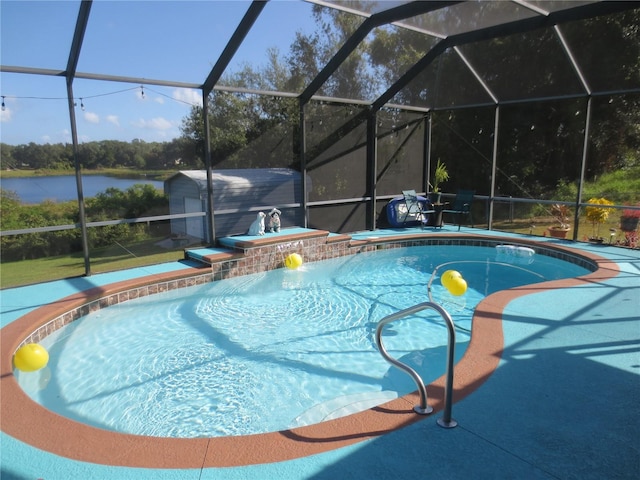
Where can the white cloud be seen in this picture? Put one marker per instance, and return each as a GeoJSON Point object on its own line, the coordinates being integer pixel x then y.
{"type": "Point", "coordinates": [91, 117]}
{"type": "Point", "coordinates": [5, 115]}
{"type": "Point", "coordinates": [159, 100]}
{"type": "Point", "coordinates": [65, 135]}
{"type": "Point", "coordinates": [113, 119]}
{"type": "Point", "coordinates": [158, 123]}
{"type": "Point", "coordinates": [188, 95]}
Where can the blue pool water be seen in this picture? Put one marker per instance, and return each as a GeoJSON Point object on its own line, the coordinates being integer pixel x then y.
{"type": "Point", "coordinates": [269, 351]}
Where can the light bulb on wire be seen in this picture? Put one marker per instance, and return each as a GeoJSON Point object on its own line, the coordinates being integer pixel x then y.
{"type": "Point", "coordinates": [4, 107]}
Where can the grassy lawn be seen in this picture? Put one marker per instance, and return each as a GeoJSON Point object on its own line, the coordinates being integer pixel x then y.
{"type": "Point", "coordinates": [114, 172]}
{"type": "Point", "coordinates": [26, 272]}
{"type": "Point", "coordinates": [538, 227]}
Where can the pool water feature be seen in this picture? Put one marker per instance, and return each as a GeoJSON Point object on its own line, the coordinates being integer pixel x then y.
{"type": "Point", "coordinates": [268, 351]}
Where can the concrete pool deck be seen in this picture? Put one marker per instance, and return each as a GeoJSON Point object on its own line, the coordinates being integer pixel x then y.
{"type": "Point", "coordinates": [562, 402]}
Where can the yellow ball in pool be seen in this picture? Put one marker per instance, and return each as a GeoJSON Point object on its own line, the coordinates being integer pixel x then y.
{"type": "Point", "coordinates": [293, 261]}
{"type": "Point", "coordinates": [448, 276]}
{"type": "Point", "coordinates": [31, 357]}
{"type": "Point", "coordinates": [457, 286]}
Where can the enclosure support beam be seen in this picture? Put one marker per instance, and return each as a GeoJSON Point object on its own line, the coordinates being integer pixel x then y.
{"type": "Point", "coordinates": [211, 234]}
{"type": "Point", "coordinates": [214, 75]}
{"type": "Point", "coordinates": [494, 167]}
{"type": "Point", "coordinates": [372, 167]}
{"type": "Point", "coordinates": [78, 172]}
{"type": "Point", "coordinates": [72, 63]}
{"type": "Point", "coordinates": [302, 138]}
{"type": "Point", "coordinates": [426, 152]}
{"type": "Point", "coordinates": [233, 45]}
{"type": "Point", "coordinates": [583, 168]}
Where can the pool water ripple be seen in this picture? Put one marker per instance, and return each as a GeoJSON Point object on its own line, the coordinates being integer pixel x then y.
{"type": "Point", "coordinates": [267, 351]}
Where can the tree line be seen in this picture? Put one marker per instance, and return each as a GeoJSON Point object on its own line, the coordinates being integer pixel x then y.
{"type": "Point", "coordinates": [138, 154]}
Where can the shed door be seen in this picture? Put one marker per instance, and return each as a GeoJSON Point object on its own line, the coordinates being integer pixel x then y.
{"type": "Point", "coordinates": [195, 226]}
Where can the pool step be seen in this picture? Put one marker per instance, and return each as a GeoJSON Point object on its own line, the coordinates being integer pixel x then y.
{"type": "Point", "coordinates": [211, 255]}
{"type": "Point", "coordinates": [343, 406]}
{"type": "Point", "coordinates": [240, 246]}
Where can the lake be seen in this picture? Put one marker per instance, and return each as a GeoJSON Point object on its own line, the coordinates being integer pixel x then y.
{"type": "Point", "coordinates": [62, 188]}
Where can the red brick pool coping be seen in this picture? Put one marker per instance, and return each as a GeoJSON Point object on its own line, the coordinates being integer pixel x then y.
{"type": "Point", "coordinates": [29, 422]}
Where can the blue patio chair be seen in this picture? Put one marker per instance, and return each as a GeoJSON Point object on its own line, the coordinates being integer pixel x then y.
{"type": "Point", "coordinates": [417, 208]}
{"type": "Point", "coordinates": [414, 208]}
{"type": "Point", "coordinates": [461, 206]}
{"type": "Point", "coordinates": [409, 210]}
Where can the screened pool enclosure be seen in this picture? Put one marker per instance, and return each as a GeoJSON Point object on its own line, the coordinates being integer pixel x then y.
{"type": "Point", "coordinates": [534, 105]}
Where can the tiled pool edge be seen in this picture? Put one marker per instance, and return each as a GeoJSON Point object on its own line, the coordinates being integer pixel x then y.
{"type": "Point", "coordinates": [118, 449]}
{"type": "Point", "coordinates": [263, 258]}
{"type": "Point", "coordinates": [90, 301]}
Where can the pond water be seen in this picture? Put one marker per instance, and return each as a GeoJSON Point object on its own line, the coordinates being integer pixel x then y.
{"type": "Point", "coordinates": [62, 188]}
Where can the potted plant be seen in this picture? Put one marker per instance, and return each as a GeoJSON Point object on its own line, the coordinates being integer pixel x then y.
{"type": "Point", "coordinates": [440, 175]}
{"type": "Point", "coordinates": [629, 219]}
{"type": "Point", "coordinates": [629, 225]}
{"type": "Point", "coordinates": [597, 216]}
{"type": "Point", "coordinates": [561, 213]}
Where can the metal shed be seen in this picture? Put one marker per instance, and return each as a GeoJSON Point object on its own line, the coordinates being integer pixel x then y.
{"type": "Point", "coordinates": [238, 195]}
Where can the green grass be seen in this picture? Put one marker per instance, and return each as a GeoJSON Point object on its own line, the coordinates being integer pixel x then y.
{"type": "Point", "coordinates": [27, 272]}
{"type": "Point", "coordinates": [538, 227]}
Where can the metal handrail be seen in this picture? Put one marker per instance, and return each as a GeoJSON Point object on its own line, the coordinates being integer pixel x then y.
{"type": "Point", "coordinates": [446, 421]}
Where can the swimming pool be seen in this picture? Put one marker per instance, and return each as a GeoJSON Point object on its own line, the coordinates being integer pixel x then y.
{"type": "Point", "coordinates": [267, 351]}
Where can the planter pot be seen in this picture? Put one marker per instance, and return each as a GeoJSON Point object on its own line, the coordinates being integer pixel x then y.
{"type": "Point", "coordinates": [629, 224]}
{"type": "Point", "coordinates": [558, 232]}
{"type": "Point", "coordinates": [435, 219]}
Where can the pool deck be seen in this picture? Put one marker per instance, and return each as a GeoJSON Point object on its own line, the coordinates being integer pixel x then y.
{"type": "Point", "coordinates": [562, 402]}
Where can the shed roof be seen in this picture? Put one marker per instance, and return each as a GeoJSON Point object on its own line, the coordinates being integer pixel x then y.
{"type": "Point", "coordinates": [238, 179]}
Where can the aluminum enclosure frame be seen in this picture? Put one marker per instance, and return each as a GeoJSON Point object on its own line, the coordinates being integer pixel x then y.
{"type": "Point", "coordinates": [393, 15]}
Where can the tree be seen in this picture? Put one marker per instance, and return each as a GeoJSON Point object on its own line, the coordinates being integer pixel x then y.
{"type": "Point", "coordinates": [6, 157]}
{"type": "Point", "coordinates": [310, 52]}
{"type": "Point", "coordinates": [259, 130]}
{"type": "Point", "coordinates": [137, 201]}
{"type": "Point", "coordinates": [540, 143]}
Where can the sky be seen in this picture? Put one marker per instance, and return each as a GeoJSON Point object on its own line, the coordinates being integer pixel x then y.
{"type": "Point", "coordinates": [179, 41]}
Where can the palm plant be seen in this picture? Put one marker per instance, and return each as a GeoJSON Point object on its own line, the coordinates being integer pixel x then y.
{"type": "Point", "coordinates": [440, 175]}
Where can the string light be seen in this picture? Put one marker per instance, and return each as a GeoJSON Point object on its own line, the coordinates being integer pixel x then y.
{"type": "Point", "coordinates": [141, 87]}
{"type": "Point", "coordinates": [65, 98]}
